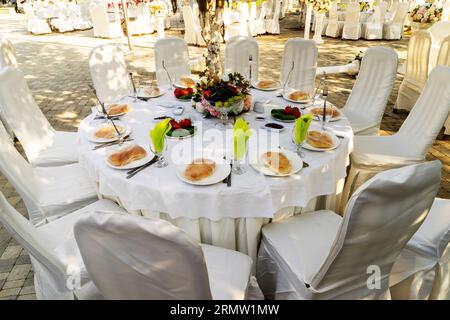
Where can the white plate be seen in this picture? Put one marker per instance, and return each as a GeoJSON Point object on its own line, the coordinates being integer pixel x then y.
{"type": "Point", "coordinates": [319, 117]}
{"type": "Point", "coordinates": [131, 165]}
{"type": "Point", "coordinates": [141, 93]}
{"type": "Point", "coordinates": [296, 163]}
{"type": "Point", "coordinates": [93, 138]}
{"type": "Point", "coordinates": [277, 86]}
{"type": "Point", "coordinates": [286, 97]}
{"type": "Point", "coordinates": [335, 140]}
{"type": "Point", "coordinates": [119, 114]}
{"type": "Point", "coordinates": [182, 86]}
{"type": "Point", "coordinates": [220, 173]}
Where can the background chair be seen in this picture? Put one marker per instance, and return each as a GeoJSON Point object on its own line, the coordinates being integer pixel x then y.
{"type": "Point", "coordinates": [43, 145]}
{"type": "Point", "coordinates": [193, 32]}
{"type": "Point", "coordinates": [34, 24]}
{"type": "Point", "coordinates": [369, 96]}
{"type": "Point", "coordinates": [299, 63]}
{"type": "Point", "coordinates": [238, 51]}
{"type": "Point", "coordinates": [175, 54]}
{"type": "Point", "coordinates": [130, 257]}
{"type": "Point", "coordinates": [109, 73]}
{"type": "Point", "coordinates": [320, 255]}
{"type": "Point", "coordinates": [416, 74]}
{"type": "Point", "coordinates": [444, 59]}
{"type": "Point", "coordinates": [352, 26]}
{"type": "Point", "coordinates": [104, 28]}
{"type": "Point", "coordinates": [438, 31]}
{"type": "Point", "coordinates": [372, 154]}
{"type": "Point", "coordinates": [64, 22]}
{"type": "Point", "coordinates": [272, 18]}
{"type": "Point", "coordinates": [334, 27]}
{"type": "Point", "coordinates": [423, 270]}
{"type": "Point", "coordinates": [393, 29]}
{"type": "Point", "coordinates": [374, 29]}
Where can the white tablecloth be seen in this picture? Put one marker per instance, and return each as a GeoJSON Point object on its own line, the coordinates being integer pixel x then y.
{"type": "Point", "coordinates": [227, 216]}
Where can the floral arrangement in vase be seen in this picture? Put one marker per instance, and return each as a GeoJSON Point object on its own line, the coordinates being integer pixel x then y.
{"type": "Point", "coordinates": [364, 6]}
{"type": "Point", "coordinates": [425, 13]}
{"type": "Point", "coordinates": [321, 6]}
{"type": "Point", "coordinates": [157, 8]}
{"type": "Point", "coordinates": [218, 96]}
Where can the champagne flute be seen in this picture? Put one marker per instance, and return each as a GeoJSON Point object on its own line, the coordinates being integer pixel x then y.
{"type": "Point", "coordinates": [162, 162]}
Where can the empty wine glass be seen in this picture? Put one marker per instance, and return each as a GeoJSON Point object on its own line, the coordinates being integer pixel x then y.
{"type": "Point", "coordinates": [162, 162]}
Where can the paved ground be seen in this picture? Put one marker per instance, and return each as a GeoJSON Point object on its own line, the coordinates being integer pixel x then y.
{"type": "Point", "coordinates": [57, 72]}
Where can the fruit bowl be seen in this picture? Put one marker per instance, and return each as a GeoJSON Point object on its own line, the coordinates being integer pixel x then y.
{"type": "Point", "coordinates": [183, 93]}
{"type": "Point", "coordinates": [288, 114]}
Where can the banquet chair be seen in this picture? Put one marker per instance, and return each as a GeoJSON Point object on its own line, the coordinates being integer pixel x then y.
{"type": "Point", "coordinates": [109, 73]}
{"type": "Point", "coordinates": [334, 27]}
{"type": "Point", "coordinates": [352, 26]}
{"type": "Point", "coordinates": [175, 55]}
{"type": "Point", "coordinates": [416, 70]}
{"type": "Point", "coordinates": [43, 145]}
{"type": "Point", "coordinates": [7, 58]}
{"type": "Point", "coordinates": [299, 64]}
{"type": "Point", "coordinates": [446, 11]}
{"type": "Point", "coordinates": [63, 23]}
{"type": "Point", "coordinates": [373, 30]}
{"type": "Point", "coordinates": [104, 28]}
{"type": "Point", "coordinates": [438, 31]}
{"type": "Point", "coordinates": [321, 255]}
{"type": "Point", "coordinates": [238, 51]}
{"type": "Point", "coordinates": [372, 154]}
{"type": "Point", "coordinates": [131, 257]}
{"type": "Point", "coordinates": [35, 25]}
{"type": "Point", "coordinates": [231, 23]}
{"type": "Point", "coordinates": [272, 20]}
{"type": "Point", "coordinates": [256, 23]}
{"type": "Point", "coordinates": [58, 268]}
{"type": "Point", "coordinates": [142, 24]}
{"type": "Point", "coordinates": [444, 59]}
{"type": "Point", "coordinates": [48, 192]}
{"type": "Point", "coordinates": [393, 29]}
{"type": "Point", "coordinates": [422, 271]}
{"type": "Point", "coordinates": [192, 31]}
{"type": "Point", "coordinates": [365, 106]}
{"type": "Point", "coordinates": [84, 20]}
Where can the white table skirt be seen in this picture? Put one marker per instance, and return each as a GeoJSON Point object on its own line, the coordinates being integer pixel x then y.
{"type": "Point", "coordinates": [219, 215]}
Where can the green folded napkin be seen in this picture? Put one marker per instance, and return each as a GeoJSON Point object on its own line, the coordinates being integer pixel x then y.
{"type": "Point", "coordinates": [241, 134]}
{"type": "Point", "coordinates": [301, 128]}
{"type": "Point", "coordinates": [158, 134]}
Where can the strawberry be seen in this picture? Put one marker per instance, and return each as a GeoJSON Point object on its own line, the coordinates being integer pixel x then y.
{"type": "Point", "coordinates": [173, 123]}
{"type": "Point", "coordinates": [185, 123]}
{"type": "Point", "coordinates": [184, 92]}
{"type": "Point", "coordinates": [288, 110]}
{"type": "Point", "coordinates": [296, 113]}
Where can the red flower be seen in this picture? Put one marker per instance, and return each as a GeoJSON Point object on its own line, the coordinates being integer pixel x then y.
{"type": "Point", "coordinates": [207, 94]}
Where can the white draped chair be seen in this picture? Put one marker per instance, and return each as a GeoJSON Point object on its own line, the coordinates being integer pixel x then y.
{"type": "Point", "coordinates": [7, 58]}
{"type": "Point", "coordinates": [104, 28]}
{"type": "Point", "coordinates": [417, 61]}
{"type": "Point", "coordinates": [372, 154]}
{"type": "Point", "coordinates": [64, 22]}
{"type": "Point", "coordinates": [244, 28]}
{"type": "Point", "coordinates": [239, 51]}
{"type": "Point", "coordinates": [444, 59]}
{"type": "Point", "coordinates": [299, 64]}
{"type": "Point", "coordinates": [57, 264]}
{"type": "Point", "coordinates": [321, 255]}
{"type": "Point", "coordinates": [43, 145]}
{"type": "Point", "coordinates": [35, 25]}
{"type": "Point", "coordinates": [393, 29]}
{"type": "Point", "coordinates": [85, 21]}
{"type": "Point", "coordinates": [142, 24]}
{"type": "Point", "coordinates": [446, 11]}
{"type": "Point", "coordinates": [334, 27]}
{"type": "Point", "coordinates": [272, 19]}
{"type": "Point", "coordinates": [109, 73]}
{"type": "Point", "coordinates": [256, 23]}
{"type": "Point", "coordinates": [423, 270]}
{"type": "Point", "coordinates": [369, 96]}
{"type": "Point", "coordinates": [352, 26]}
{"type": "Point", "coordinates": [438, 31]}
{"type": "Point", "coordinates": [78, 22]}
{"type": "Point", "coordinates": [192, 30]}
{"type": "Point", "coordinates": [48, 192]}
{"type": "Point", "coordinates": [374, 29]}
{"type": "Point", "coordinates": [175, 55]}
{"type": "Point", "coordinates": [131, 257]}
{"type": "Point", "coordinates": [231, 23]}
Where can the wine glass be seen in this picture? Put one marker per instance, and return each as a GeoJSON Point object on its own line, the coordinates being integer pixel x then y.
{"type": "Point", "coordinates": [299, 144]}
{"type": "Point", "coordinates": [238, 157]}
{"type": "Point", "coordinates": [162, 162]}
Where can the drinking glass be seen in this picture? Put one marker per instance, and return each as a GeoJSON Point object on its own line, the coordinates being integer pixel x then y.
{"type": "Point", "coordinates": [162, 162]}
{"type": "Point", "coordinates": [299, 145]}
{"type": "Point", "coordinates": [238, 157]}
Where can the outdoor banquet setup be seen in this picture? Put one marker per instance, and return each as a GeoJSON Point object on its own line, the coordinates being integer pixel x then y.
{"type": "Point", "coordinates": [233, 185]}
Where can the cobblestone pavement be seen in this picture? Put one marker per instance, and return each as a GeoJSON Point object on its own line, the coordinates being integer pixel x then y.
{"type": "Point", "coordinates": [57, 72]}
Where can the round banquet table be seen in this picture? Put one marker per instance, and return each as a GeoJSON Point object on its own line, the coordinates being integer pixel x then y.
{"type": "Point", "coordinates": [230, 217]}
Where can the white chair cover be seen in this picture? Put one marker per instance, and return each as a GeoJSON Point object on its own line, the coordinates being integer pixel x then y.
{"type": "Point", "coordinates": [109, 73]}
{"type": "Point", "coordinates": [244, 28]}
{"type": "Point", "coordinates": [446, 11]}
{"type": "Point", "coordinates": [416, 70]}
{"type": "Point", "coordinates": [237, 56]}
{"type": "Point", "coordinates": [192, 31]}
{"type": "Point", "coordinates": [53, 251]}
{"type": "Point", "coordinates": [444, 59]}
{"type": "Point", "coordinates": [439, 31]}
{"type": "Point", "coordinates": [142, 23]}
{"type": "Point", "coordinates": [271, 22]}
{"type": "Point", "coordinates": [352, 26]}
{"type": "Point", "coordinates": [48, 192]}
{"type": "Point", "coordinates": [43, 145]}
{"type": "Point", "coordinates": [393, 29]}
{"type": "Point", "coordinates": [302, 54]}
{"type": "Point", "coordinates": [374, 29]}
{"type": "Point", "coordinates": [63, 23]}
{"type": "Point", "coordinates": [34, 24]}
{"type": "Point", "coordinates": [104, 28]}
{"type": "Point", "coordinates": [258, 25]}
{"type": "Point", "coordinates": [84, 21]}
{"type": "Point", "coordinates": [367, 101]}
{"type": "Point", "coordinates": [175, 54]}
{"type": "Point", "coordinates": [130, 257]}
{"type": "Point", "coordinates": [321, 256]}
{"type": "Point", "coordinates": [372, 154]}
{"type": "Point", "coordinates": [334, 27]}
{"type": "Point", "coordinates": [423, 270]}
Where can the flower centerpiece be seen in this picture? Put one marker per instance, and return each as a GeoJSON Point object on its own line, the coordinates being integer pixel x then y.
{"type": "Point", "coordinates": [364, 6]}
{"type": "Point", "coordinates": [424, 15]}
{"type": "Point", "coordinates": [157, 8]}
{"type": "Point", "coordinates": [219, 97]}
{"type": "Point", "coordinates": [321, 6]}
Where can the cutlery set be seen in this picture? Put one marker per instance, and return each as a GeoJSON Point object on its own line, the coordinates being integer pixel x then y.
{"type": "Point", "coordinates": [131, 173]}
